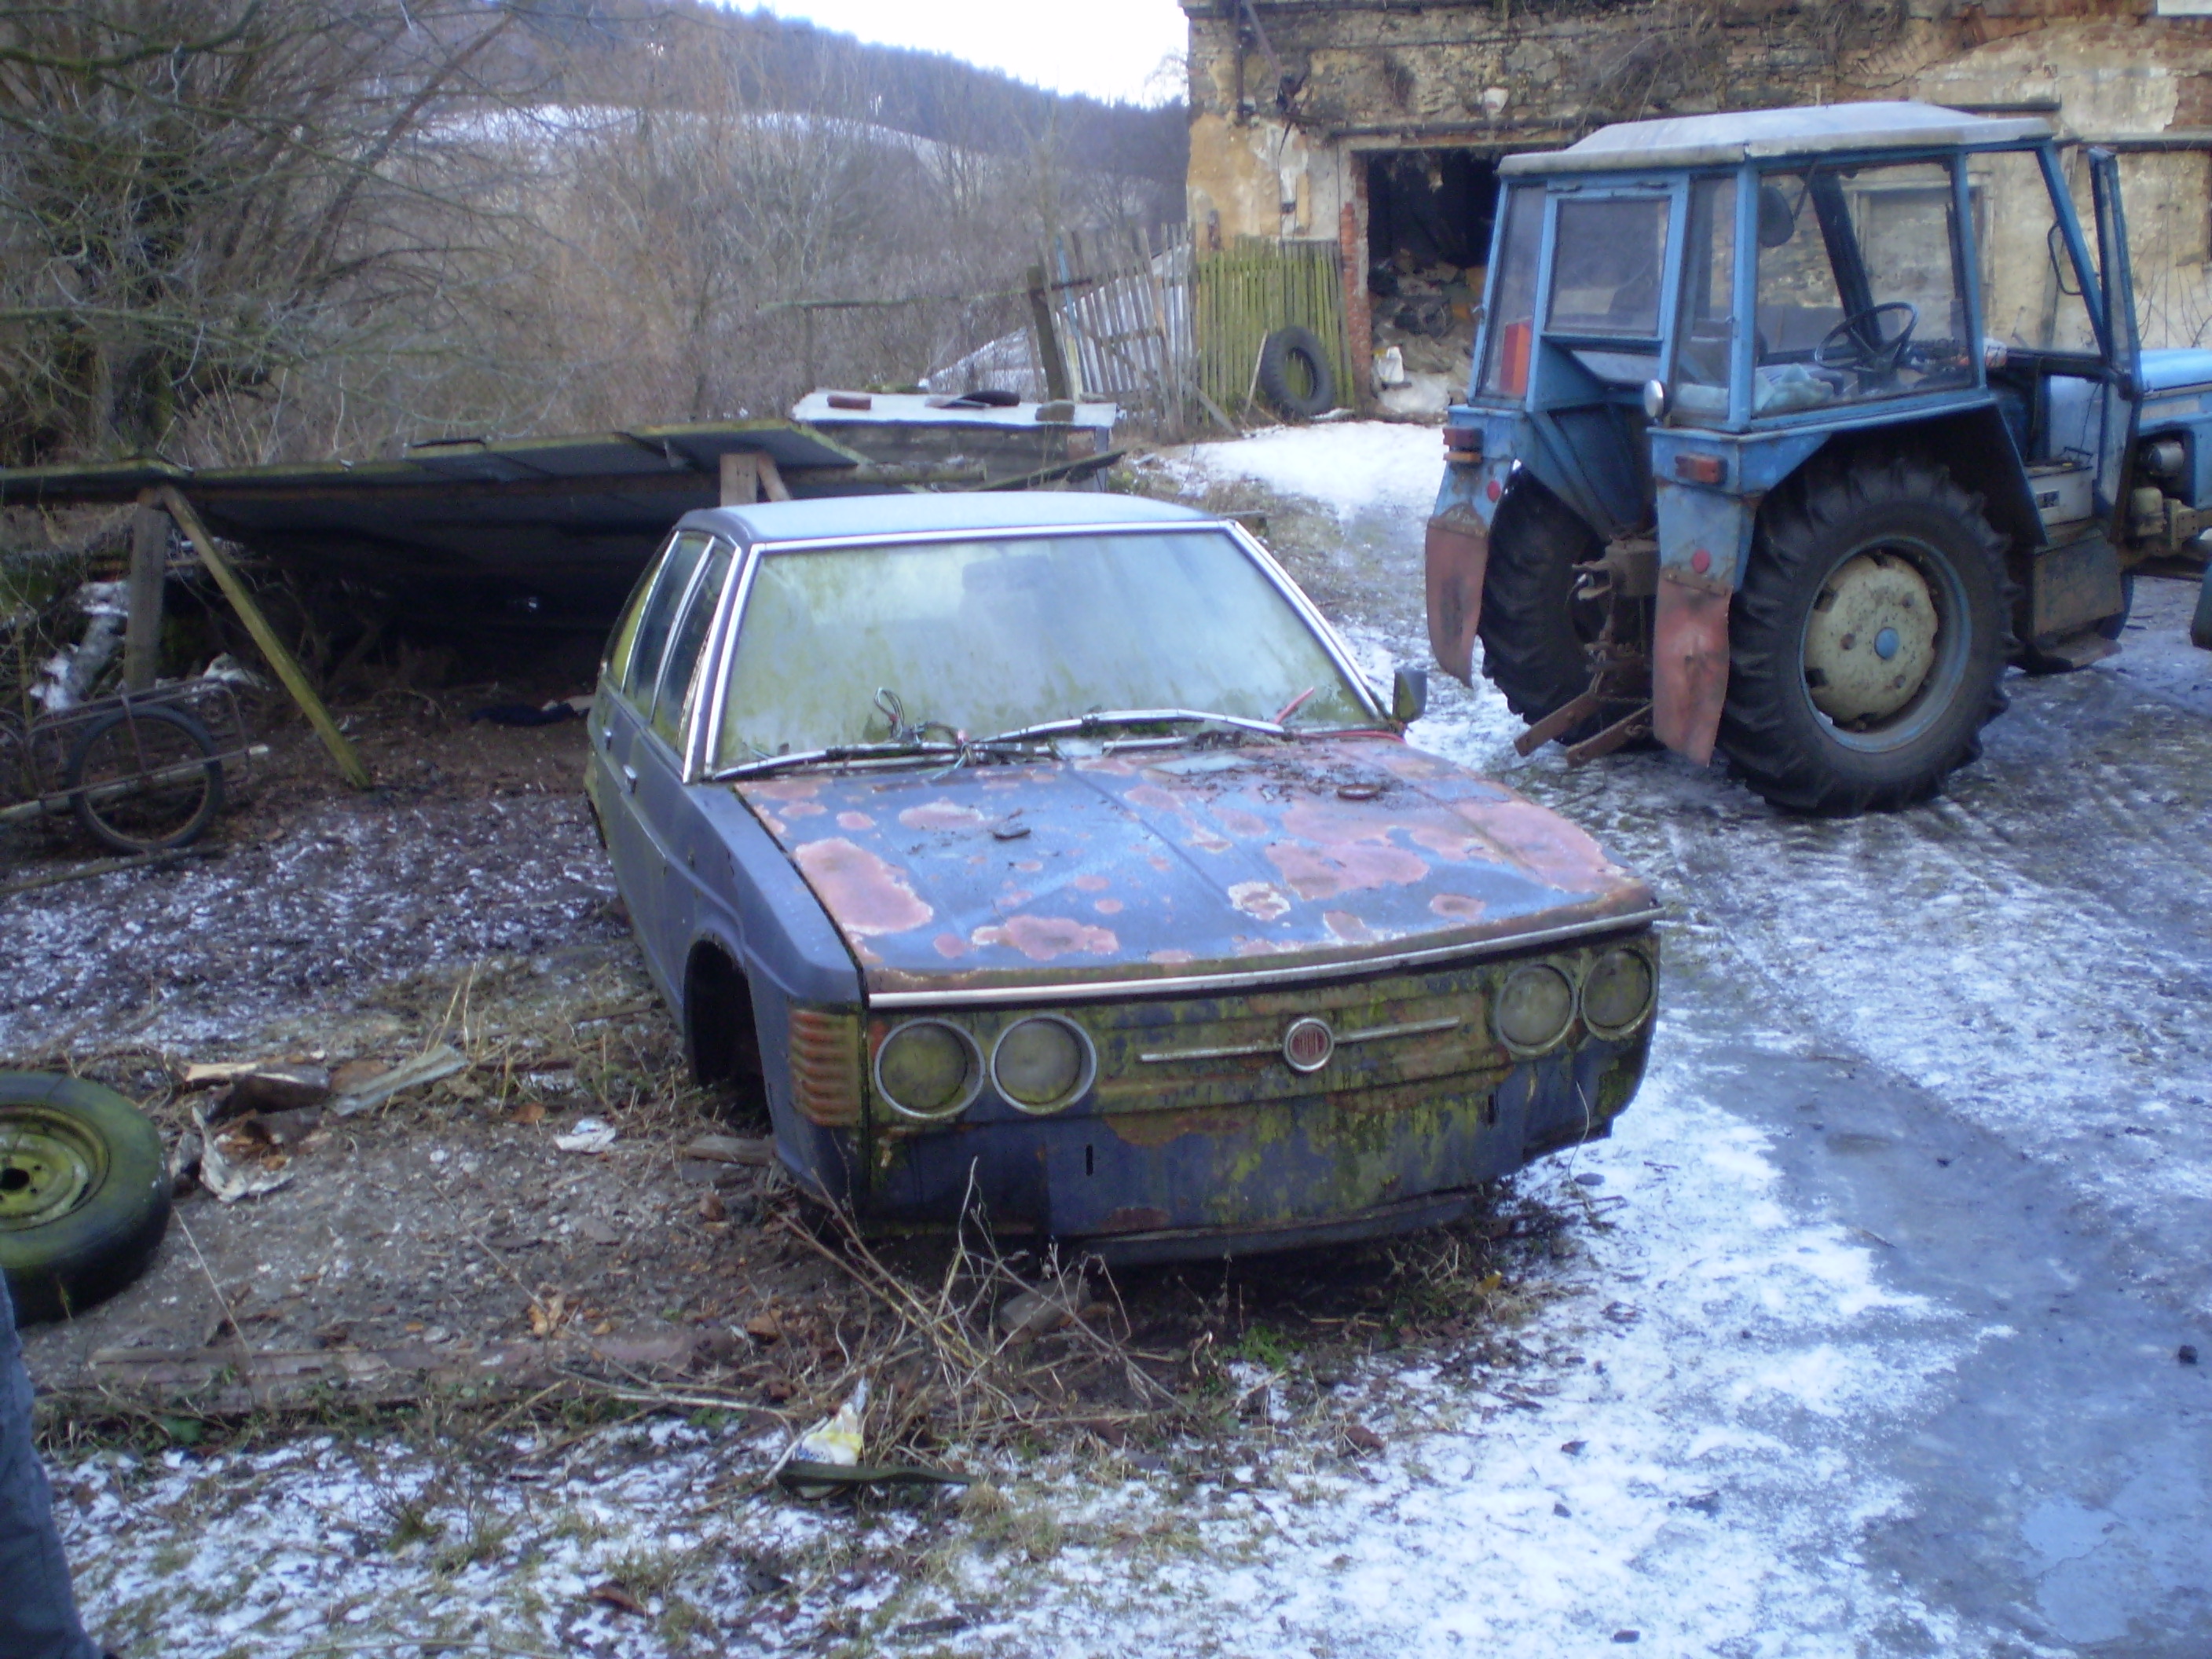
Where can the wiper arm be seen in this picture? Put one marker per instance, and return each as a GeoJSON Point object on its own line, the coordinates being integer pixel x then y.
{"type": "Point", "coordinates": [846, 751]}
{"type": "Point", "coordinates": [1079, 725]}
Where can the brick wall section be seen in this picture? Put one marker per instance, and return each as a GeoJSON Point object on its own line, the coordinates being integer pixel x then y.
{"type": "Point", "coordinates": [1359, 317]}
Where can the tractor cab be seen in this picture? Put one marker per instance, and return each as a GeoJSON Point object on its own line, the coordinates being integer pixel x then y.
{"type": "Point", "coordinates": [1788, 430]}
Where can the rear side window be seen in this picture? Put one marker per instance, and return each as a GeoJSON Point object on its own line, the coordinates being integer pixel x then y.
{"type": "Point", "coordinates": [1607, 269]}
{"type": "Point", "coordinates": [1513, 293]}
{"type": "Point", "coordinates": [641, 669]}
{"type": "Point", "coordinates": [687, 645]}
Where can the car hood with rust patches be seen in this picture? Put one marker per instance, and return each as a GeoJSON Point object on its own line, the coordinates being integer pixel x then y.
{"type": "Point", "coordinates": [1179, 863]}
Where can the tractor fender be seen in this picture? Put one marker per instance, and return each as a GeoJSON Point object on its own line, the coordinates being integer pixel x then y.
{"type": "Point", "coordinates": [1455, 559]}
{"type": "Point", "coordinates": [1704, 536]}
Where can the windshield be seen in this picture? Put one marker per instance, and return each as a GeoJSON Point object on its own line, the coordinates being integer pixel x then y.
{"type": "Point", "coordinates": [991, 636]}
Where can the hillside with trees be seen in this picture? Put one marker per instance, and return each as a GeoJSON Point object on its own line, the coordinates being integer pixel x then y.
{"type": "Point", "coordinates": [241, 230]}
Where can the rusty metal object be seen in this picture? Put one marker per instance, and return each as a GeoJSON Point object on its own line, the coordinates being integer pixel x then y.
{"type": "Point", "coordinates": [1249, 863]}
{"type": "Point", "coordinates": [1455, 556]}
{"type": "Point", "coordinates": [1635, 724]}
{"type": "Point", "coordinates": [1689, 665]}
{"type": "Point", "coordinates": [1282, 960]}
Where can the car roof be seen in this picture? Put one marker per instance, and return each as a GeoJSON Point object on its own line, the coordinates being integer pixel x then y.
{"type": "Point", "coordinates": [1693, 141]}
{"type": "Point", "coordinates": [833, 517]}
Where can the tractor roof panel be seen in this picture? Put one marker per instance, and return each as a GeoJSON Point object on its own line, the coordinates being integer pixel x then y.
{"type": "Point", "coordinates": [1696, 141]}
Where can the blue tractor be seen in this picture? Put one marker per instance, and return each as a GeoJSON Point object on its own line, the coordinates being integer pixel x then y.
{"type": "Point", "coordinates": [1789, 430]}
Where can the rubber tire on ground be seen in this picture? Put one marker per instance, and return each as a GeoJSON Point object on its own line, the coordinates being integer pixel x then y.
{"type": "Point", "coordinates": [1303, 392]}
{"type": "Point", "coordinates": [1532, 649]}
{"type": "Point", "coordinates": [60, 1266]}
{"type": "Point", "coordinates": [1775, 739]}
{"type": "Point", "coordinates": [99, 829]}
{"type": "Point", "coordinates": [2040, 663]}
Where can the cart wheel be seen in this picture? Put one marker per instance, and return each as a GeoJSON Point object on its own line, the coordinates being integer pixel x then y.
{"type": "Point", "coordinates": [142, 780]}
{"type": "Point", "coordinates": [84, 1193]}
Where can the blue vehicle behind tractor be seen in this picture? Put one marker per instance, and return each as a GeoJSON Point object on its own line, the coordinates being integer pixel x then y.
{"type": "Point", "coordinates": [1788, 431]}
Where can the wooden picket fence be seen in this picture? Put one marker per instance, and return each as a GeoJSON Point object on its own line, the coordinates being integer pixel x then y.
{"type": "Point", "coordinates": [1164, 329]}
{"type": "Point", "coordinates": [1243, 293]}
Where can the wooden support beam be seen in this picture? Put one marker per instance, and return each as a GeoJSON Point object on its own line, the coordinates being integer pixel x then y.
{"type": "Point", "coordinates": [771, 478]}
{"type": "Point", "coordinates": [272, 648]}
{"type": "Point", "coordinates": [750, 476]}
{"type": "Point", "coordinates": [149, 568]}
{"type": "Point", "coordinates": [741, 479]}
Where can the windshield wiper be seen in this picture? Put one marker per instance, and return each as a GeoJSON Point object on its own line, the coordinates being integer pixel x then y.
{"type": "Point", "coordinates": [843, 751]}
{"type": "Point", "coordinates": [1099, 720]}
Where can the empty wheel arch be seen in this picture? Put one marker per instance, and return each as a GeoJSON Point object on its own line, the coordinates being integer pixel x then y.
{"type": "Point", "coordinates": [721, 1038]}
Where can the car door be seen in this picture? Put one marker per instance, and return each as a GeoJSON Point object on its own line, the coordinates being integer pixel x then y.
{"type": "Point", "coordinates": [668, 880]}
{"type": "Point", "coordinates": [620, 715]}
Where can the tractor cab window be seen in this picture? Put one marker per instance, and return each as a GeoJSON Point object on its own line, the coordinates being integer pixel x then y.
{"type": "Point", "coordinates": [1860, 294]}
{"type": "Point", "coordinates": [1607, 269]}
{"type": "Point", "coordinates": [1705, 341]}
{"type": "Point", "coordinates": [2031, 294]}
{"type": "Point", "coordinates": [1512, 330]}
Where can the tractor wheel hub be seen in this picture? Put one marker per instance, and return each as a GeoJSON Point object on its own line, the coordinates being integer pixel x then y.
{"type": "Point", "coordinates": [1871, 641]}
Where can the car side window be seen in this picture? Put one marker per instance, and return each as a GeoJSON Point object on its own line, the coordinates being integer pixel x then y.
{"type": "Point", "coordinates": [640, 673]}
{"type": "Point", "coordinates": [687, 644]}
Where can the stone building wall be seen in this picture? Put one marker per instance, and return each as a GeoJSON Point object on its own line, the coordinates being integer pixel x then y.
{"type": "Point", "coordinates": [1283, 133]}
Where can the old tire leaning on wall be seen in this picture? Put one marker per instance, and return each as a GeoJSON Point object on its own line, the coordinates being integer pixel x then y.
{"type": "Point", "coordinates": [84, 1193]}
{"type": "Point", "coordinates": [1294, 373]}
{"type": "Point", "coordinates": [153, 819]}
{"type": "Point", "coordinates": [1868, 638]}
{"type": "Point", "coordinates": [1537, 635]}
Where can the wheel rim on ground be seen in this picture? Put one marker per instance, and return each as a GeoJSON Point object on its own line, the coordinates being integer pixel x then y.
{"type": "Point", "coordinates": [145, 814]}
{"type": "Point", "coordinates": [1884, 652]}
{"type": "Point", "coordinates": [50, 1165]}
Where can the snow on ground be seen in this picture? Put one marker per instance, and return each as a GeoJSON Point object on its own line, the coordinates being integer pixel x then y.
{"type": "Point", "coordinates": [1350, 466]}
{"type": "Point", "coordinates": [1942, 943]}
{"type": "Point", "coordinates": [1684, 1464]}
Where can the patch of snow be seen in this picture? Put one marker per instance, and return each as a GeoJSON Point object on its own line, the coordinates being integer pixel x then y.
{"type": "Point", "coordinates": [1350, 466]}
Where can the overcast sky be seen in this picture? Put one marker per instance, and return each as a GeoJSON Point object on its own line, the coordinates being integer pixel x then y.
{"type": "Point", "coordinates": [1109, 48]}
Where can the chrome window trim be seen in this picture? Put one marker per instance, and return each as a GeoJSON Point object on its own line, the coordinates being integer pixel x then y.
{"type": "Point", "coordinates": [1019, 532]}
{"type": "Point", "coordinates": [660, 662]}
{"type": "Point", "coordinates": [1306, 609]}
{"type": "Point", "coordinates": [1316, 624]}
{"type": "Point", "coordinates": [706, 737]}
{"type": "Point", "coordinates": [681, 748]}
{"type": "Point", "coordinates": [1099, 990]}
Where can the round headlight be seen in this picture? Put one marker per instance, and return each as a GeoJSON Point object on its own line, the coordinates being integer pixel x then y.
{"type": "Point", "coordinates": [928, 1069]}
{"type": "Point", "coordinates": [1535, 1007]}
{"type": "Point", "coordinates": [1042, 1063]}
{"type": "Point", "coordinates": [1617, 993]}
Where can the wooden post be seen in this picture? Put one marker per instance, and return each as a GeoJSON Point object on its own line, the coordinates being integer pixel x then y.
{"type": "Point", "coordinates": [741, 479]}
{"type": "Point", "coordinates": [149, 566]}
{"type": "Point", "coordinates": [749, 476]}
{"type": "Point", "coordinates": [1048, 353]}
{"type": "Point", "coordinates": [272, 648]}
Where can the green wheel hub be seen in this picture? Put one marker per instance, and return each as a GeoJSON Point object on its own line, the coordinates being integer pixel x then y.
{"type": "Point", "coordinates": [49, 1166]}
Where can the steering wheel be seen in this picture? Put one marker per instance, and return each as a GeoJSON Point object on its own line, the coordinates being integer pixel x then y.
{"type": "Point", "coordinates": [1856, 344]}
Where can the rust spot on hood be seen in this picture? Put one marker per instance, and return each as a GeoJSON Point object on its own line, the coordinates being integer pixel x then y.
{"type": "Point", "coordinates": [1042, 938]}
{"type": "Point", "coordinates": [866, 896]}
{"type": "Point", "coordinates": [943, 815]}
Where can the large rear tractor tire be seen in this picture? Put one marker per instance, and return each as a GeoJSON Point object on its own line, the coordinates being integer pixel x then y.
{"type": "Point", "coordinates": [1868, 639]}
{"type": "Point", "coordinates": [1536, 634]}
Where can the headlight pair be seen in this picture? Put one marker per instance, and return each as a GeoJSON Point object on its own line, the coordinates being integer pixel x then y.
{"type": "Point", "coordinates": [1538, 1001]}
{"type": "Point", "coordinates": [931, 1069]}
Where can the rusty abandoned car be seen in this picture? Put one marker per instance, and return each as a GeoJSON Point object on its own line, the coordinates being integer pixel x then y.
{"type": "Point", "coordinates": [1047, 854]}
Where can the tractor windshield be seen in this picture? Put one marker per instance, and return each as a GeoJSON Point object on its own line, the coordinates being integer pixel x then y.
{"type": "Point", "coordinates": [1860, 289]}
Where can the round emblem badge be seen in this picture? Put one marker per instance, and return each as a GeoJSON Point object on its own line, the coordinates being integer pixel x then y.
{"type": "Point", "coordinates": [1307, 1044]}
